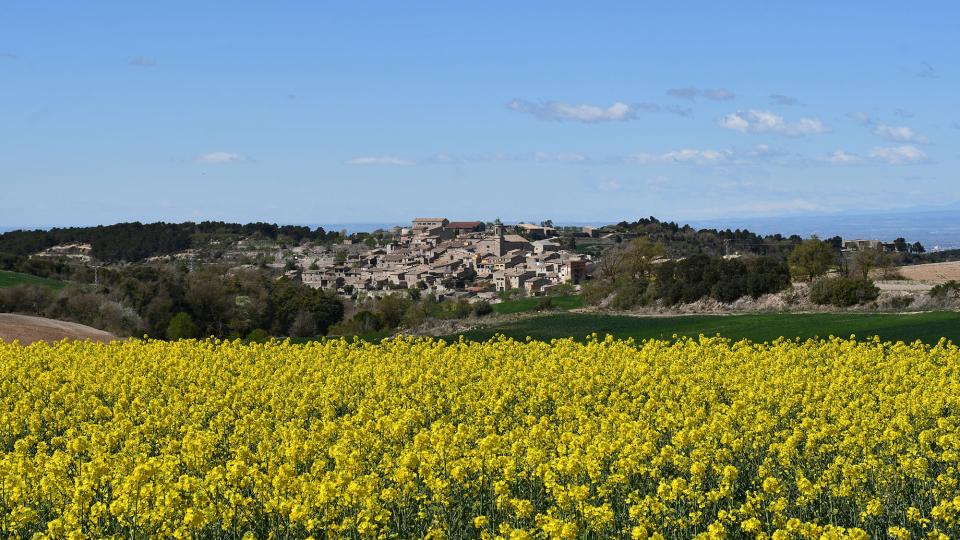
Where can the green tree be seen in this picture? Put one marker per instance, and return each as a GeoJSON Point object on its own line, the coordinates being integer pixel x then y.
{"type": "Point", "coordinates": [181, 327]}
{"type": "Point", "coordinates": [866, 260]}
{"type": "Point", "coordinates": [392, 308]}
{"type": "Point", "coordinates": [900, 244]}
{"type": "Point", "coordinates": [811, 259]}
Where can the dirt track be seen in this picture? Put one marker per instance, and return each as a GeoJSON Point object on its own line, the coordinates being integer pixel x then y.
{"type": "Point", "coordinates": [29, 329]}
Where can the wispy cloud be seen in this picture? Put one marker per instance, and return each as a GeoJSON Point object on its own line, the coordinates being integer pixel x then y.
{"type": "Point", "coordinates": [861, 118]}
{"type": "Point", "coordinates": [842, 157]}
{"type": "Point", "coordinates": [683, 93]}
{"type": "Point", "coordinates": [755, 121]}
{"type": "Point", "coordinates": [786, 101]}
{"type": "Point", "coordinates": [380, 160]}
{"type": "Point", "coordinates": [903, 113]}
{"type": "Point", "coordinates": [927, 71]}
{"type": "Point", "coordinates": [568, 157]}
{"type": "Point", "coordinates": [684, 155]}
{"type": "Point", "coordinates": [780, 206]}
{"type": "Point", "coordinates": [609, 184]}
{"type": "Point", "coordinates": [143, 62]}
{"type": "Point", "coordinates": [692, 93]}
{"type": "Point", "coordinates": [955, 125]}
{"type": "Point", "coordinates": [898, 155]}
{"type": "Point", "coordinates": [558, 111]}
{"type": "Point", "coordinates": [214, 158]}
{"type": "Point", "coordinates": [900, 134]}
{"type": "Point", "coordinates": [680, 111]}
{"type": "Point", "coordinates": [718, 94]}
{"type": "Point", "coordinates": [8, 56]}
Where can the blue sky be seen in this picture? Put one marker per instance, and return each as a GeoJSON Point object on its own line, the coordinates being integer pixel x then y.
{"type": "Point", "coordinates": [316, 112]}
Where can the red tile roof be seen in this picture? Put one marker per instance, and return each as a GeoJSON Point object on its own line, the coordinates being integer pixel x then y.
{"type": "Point", "coordinates": [464, 224]}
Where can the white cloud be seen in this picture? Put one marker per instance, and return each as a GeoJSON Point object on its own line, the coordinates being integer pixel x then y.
{"type": "Point", "coordinates": [444, 158]}
{"type": "Point", "coordinates": [755, 121]}
{"type": "Point", "coordinates": [841, 157]}
{"type": "Point", "coordinates": [579, 112]}
{"type": "Point", "coordinates": [900, 134]}
{"type": "Point", "coordinates": [380, 160]}
{"type": "Point", "coordinates": [898, 155]}
{"type": "Point", "coordinates": [684, 155]}
{"type": "Point", "coordinates": [213, 158]}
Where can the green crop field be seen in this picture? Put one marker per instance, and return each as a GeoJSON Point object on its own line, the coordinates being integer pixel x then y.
{"type": "Point", "coordinates": [530, 304]}
{"type": "Point", "coordinates": [12, 279]}
{"type": "Point", "coordinates": [927, 327]}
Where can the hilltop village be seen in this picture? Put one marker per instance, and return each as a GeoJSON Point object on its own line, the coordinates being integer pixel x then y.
{"type": "Point", "coordinates": [451, 259]}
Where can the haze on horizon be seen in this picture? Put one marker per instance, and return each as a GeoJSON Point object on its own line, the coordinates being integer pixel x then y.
{"type": "Point", "coordinates": [345, 113]}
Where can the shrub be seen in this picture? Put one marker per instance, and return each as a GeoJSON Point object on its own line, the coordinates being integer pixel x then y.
{"type": "Point", "coordinates": [629, 294]}
{"type": "Point", "coordinates": [181, 327]}
{"type": "Point", "coordinates": [544, 303]}
{"type": "Point", "coordinates": [482, 308]}
{"type": "Point", "coordinates": [950, 289]}
{"type": "Point", "coordinates": [899, 302]}
{"type": "Point", "coordinates": [362, 322]}
{"type": "Point", "coordinates": [258, 335]}
{"type": "Point", "coordinates": [460, 309]}
{"type": "Point", "coordinates": [843, 292]}
{"type": "Point", "coordinates": [596, 291]}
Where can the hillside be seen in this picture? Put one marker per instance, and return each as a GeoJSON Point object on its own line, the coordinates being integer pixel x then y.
{"type": "Point", "coordinates": [29, 329]}
{"type": "Point", "coordinates": [12, 279]}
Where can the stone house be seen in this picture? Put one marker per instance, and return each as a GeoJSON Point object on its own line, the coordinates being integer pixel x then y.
{"type": "Point", "coordinates": [466, 227]}
{"type": "Point", "coordinates": [429, 223]}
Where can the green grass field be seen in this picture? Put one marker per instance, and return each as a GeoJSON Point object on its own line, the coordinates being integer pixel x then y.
{"type": "Point", "coordinates": [530, 304]}
{"type": "Point", "coordinates": [927, 327]}
{"type": "Point", "coordinates": [12, 279]}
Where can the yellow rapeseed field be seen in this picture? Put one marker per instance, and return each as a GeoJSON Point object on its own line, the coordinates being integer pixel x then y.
{"type": "Point", "coordinates": [417, 438]}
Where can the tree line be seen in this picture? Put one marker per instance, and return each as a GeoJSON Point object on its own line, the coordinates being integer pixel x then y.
{"type": "Point", "coordinates": [132, 242]}
{"type": "Point", "coordinates": [683, 241]}
{"type": "Point", "coordinates": [169, 301]}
